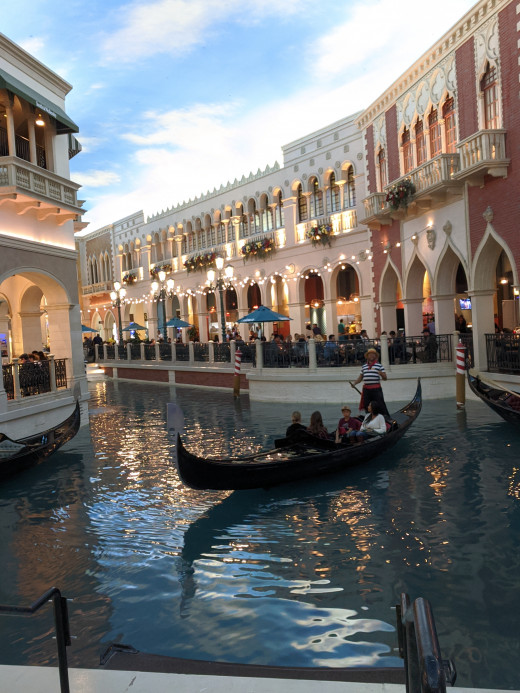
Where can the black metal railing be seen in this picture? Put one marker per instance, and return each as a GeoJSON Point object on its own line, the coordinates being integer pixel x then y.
{"type": "Point", "coordinates": [149, 352]}
{"type": "Point", "coordinates": [222, 352]}
{"type": "Point", "coordinates": [34, 377]}
{"type": "Point", "coordinates": [431, 349]}
{"type": "Point", "coordinates": [425, 670]}
{"type": "Point", "coordinates": [61, 625]}
{"type": "Point", "coordinates": [503, 353]}
{"type": "Point", "coordinates": [467, 339]}
{"type": "Point", "coordinates": [182, 352]}
{"type": "Point", "coordinates": [201, 351]}
{"type": "Point", "coordinates": [165, 351]}
{"type": "Point", "coordinates": [247, 351]}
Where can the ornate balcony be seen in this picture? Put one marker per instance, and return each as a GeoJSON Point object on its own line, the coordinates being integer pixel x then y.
{"type": "Point", "coordinates": [481, 154]}
{"type": "Point", "coordinates": [99, 288]}
{"type": "Point", "coordinates": [36, 191]}
{"type": "Point", "coordinates": [435, 184]}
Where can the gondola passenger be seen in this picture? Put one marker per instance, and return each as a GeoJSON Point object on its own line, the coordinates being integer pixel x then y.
{"type": "Point", "coordinates": [374, 424]}
{"type": "Point", "coordinates": [346, 424]}
{"type": "Point", "coordinates": [296, 424]}
{"type": "Point", "coordinates": [371, 374]}
{"type": "Point", "coordinates": [316, 426]}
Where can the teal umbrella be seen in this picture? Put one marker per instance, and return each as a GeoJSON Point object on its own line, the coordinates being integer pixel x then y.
{"type": "Point", "coordinates": [134, 326]}
{"type": "Point", "coordinates": [264, 314]}
{"type": "Point", "coordinates": [84, 328]}
{"type": "Point", "coordinates": [177, 322]}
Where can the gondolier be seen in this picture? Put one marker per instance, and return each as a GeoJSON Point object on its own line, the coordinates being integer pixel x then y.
{"type": "Point", "coordinates": [371, 373]}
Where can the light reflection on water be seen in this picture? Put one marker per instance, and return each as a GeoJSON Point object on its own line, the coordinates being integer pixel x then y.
{"type": "Point", "coordinates": [305, 574]}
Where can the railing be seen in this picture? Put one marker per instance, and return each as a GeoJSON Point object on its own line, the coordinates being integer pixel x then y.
{"type": "Point", "coordinates": [222, 352]}
{"type": "Point", "coordinates": [22, 149]}
{"type": "Point", "coordinates": [33, 378]}
{"type": "Point", "coordinates": [439, 171]}
{"type": "Point", "coordinates": [17, 173]}
{"type": "Point", "coordinates": [467, 339]}
{"type": "Point", "coordinates": [201, 351]}
{"type": "Point", "coordinates": [484, 148]}
{"type": "Point", "coordinates": [96, 288]}
{"type": "Point", "coordinates": [503, 353]}
{"type": "Point", "coordinates": [425, 670]}
{"type": "Point", "coordinates": [61, 625]}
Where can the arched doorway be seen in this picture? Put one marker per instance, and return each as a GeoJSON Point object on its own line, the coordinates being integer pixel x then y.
{"type": "Point", "coordinates": [348, 308]}
{"type": "Point", "coordinates": [279, 296]}
{"type": "Point", "coordinates": [314, 303]}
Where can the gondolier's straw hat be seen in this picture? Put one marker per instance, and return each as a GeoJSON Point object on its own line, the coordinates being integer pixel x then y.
{"type": "Point", "coordinates": [371, 351]}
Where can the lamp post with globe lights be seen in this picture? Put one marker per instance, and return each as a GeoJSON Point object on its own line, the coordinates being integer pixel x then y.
{"type": "Point", "coordinates": [118, 298]}
{"type": "Point", "coordinates": [162, 290]}
{"type": "Point", "coordinates": [223, 276]}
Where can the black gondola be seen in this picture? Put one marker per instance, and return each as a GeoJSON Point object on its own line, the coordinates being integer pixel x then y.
{"type": "Point", "coordinates": [17, 455]}
{"type": "Point", "coordinates": [299, 457]}
{"type": "Point", "coordinates": [506, 403]}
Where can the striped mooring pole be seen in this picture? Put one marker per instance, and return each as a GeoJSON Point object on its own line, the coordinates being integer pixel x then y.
{"type": "Point", "coordinates": [461, 376]}
{"type": "Point", "coordinates": [236, 378]}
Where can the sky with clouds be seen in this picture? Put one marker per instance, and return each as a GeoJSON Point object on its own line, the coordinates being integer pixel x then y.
{"type": "Point", "coordinates": [176, 97]}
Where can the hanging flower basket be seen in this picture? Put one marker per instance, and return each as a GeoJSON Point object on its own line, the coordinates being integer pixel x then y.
{"type": "Point", "coordinates": [320, 235]}
{"type": "Point", "coordinates": [129, 279]}
{"type": "Point", "coordinates": [400, 194]}
{"type": "Point", "coordinates": [258, 249]}
{"type": "Point", "coordinates": [154, 272]}
{"type": "Point", "coordinates": [197, 263]}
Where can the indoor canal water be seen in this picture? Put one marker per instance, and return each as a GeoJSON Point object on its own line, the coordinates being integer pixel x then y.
{"type": "Point", "coordinates": [306, 574]}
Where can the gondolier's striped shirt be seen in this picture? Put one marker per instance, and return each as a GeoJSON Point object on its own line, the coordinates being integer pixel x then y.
{"type": "Point", "coordinates": [372, 376]}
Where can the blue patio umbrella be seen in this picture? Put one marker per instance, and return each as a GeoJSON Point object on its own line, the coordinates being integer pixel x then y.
{"type": "Point", "coordinates": [264, 314]}
{"type": "Point", "coordinates": [177, 322]}
{"type": "Point", "coordinates": [84, 328]}
{"type": "Point", "coordinates": [134, 326]}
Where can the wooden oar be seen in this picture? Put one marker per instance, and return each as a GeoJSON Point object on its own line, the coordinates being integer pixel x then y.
{"type": "Point", "coordinates": [355, 388]}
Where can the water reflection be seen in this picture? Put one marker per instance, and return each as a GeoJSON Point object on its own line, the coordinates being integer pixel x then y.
{"type": "Point", "coordinates": [306, 574]}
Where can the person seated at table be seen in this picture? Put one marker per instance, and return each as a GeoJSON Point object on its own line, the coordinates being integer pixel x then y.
{"type": "Point", "coordinates": [296, 424]}
{"type": "Point", "coordinates": [316, 427]}
{"type": "Point", "coordinates": [374, 424]}
{"type": "Point", "coordinates": [330, 349]}
{"type": "Point", "coordinates": [346, 424]}
{"type": "Point", "coordinates": [428, 354]}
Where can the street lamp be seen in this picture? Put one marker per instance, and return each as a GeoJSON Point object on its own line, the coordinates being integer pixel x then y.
{"type": "Point", "coordinates": [118, 297]}
{"type": "Point", "coordinates": [228, 274]}
{"type": "Point", "coordinates": [161, 291]}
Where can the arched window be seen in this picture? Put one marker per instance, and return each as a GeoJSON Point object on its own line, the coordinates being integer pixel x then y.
{"type": "Point", "coordinates": [448, 114]}
{"type": "Point", "coordinates": [350, 197]}
{"type": "Point", "coordinates": [334, 195]}
{"type": "Point", "coordinates": [435, 133]}
{"type": "Point", "coordinates": [303, 212]}
{"type": "Point", "coordinates": [316, 199]}
{"type": "Point", "coordinates": [279, 221]}
{"type": "Point", "coordinates": [420, 143]}
{"type": "Point", "coordinates": [407, 151]}
{"type": "Point", "coordinates": [381, 166]}
{"type": "Point", "coordinates": [489, 89]}
{"type": "Point", "coordinates": [95, 275]}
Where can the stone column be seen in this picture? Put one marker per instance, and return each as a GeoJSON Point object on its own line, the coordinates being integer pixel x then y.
{"type": "Point", "coordinates": [313, 364]}
{"type": "Point", "coordinates": [32, 140]}
{"type": "Point", "coordinates": [259, 354]}
{"type": "Point", "coordinates": [290, 209]}
{"type": "Point", "coordinates": [32, 330]}
{"type": "Point", "coordinates": [444, 310]}
{"type": "Point", "coordinates": [413, 316]}
{"type": "Point", "coordinates": [482, 323]}
{"type": "Point", "coordinates": [385, 361]}
{"type": "Point", "coordinates": [11, 135]}
{"type": "Point", "coordinates": [388, 316]}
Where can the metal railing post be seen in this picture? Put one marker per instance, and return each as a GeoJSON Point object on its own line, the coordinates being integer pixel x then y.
{"type": "Point", "coordinates": [52, 372]}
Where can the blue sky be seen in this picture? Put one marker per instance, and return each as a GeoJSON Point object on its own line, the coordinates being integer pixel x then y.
{"type": "Point", "coordinates": [175, 97]}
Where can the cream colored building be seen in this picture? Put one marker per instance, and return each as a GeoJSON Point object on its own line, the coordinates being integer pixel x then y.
{"type": "Point", "coordinates": [39, 213]}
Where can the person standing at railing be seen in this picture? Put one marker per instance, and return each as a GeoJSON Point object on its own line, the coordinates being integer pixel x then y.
{"type": "Point", "coordinates": [372, 372]}
{"type": "Point", "coordinates": [428, 353]}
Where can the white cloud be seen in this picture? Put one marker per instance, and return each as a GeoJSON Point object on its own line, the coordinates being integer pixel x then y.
{"type": "Point", "coordinates": [174, 27]}
{"type": "Point", "coordinates": [33, 45]}
{"type": "Point", "coordinates": [90, 144]}
{"type": "Point", "coordinates": [96, 179]}
{"type": "Point", "coordinates": [375, 34]}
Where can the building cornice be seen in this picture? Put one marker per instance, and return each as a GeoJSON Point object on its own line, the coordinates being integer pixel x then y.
{"type": "Point", "coordinates": [33, 68]}
{"type": "Point", "coordinates": [37, 247]}
{"type": "Point", "coordinates": [453, 39]}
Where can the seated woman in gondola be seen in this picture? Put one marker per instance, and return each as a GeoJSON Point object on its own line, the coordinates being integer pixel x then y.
{"type": "Point", "coordinates": [374, 424]}
{"type": "Point", "coordinates": [316, 427]}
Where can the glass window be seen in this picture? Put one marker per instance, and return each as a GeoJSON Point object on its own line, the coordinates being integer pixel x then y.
{"type": "Point", "coordinates": [334, 195]}
{"type": "Point", "coordinates": [303, 214]}
{"type": "Point", "coordinates": [435, 134]}
{"type": "Point", "coordinates": [420, 143]}
{"type": "Point", "coordinates": [448, 114]}
{"type": "Point", "coordinates": [381, 164]}
{"type": "Point", "coordinates": [279, 213]}
{"type": "Point", "coordinates": [350, 198]}
{"type": "Point", "coordinates": [316, 200]}
{"type": "Point", "coordinates": [489, 88]}
{"type": "Point", "coordinates": [407, 151]}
